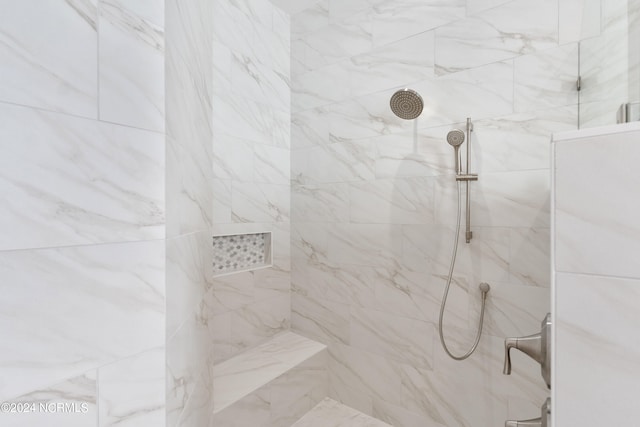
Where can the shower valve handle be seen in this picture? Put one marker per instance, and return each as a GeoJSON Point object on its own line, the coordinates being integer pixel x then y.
{"type": "Point", "coordinates": [536, 346]}
{"type": "Point", "coordinates": [543, 421]}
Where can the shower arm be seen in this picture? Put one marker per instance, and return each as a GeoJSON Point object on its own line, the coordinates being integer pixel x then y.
{"type": "Point", "coordinates": [466, 177]}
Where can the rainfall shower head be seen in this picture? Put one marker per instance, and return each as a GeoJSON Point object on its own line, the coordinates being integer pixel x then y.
{"type": "Point", "coordinates": [406, 104]}
{"type": "Point", "coordinates": [456, 138]}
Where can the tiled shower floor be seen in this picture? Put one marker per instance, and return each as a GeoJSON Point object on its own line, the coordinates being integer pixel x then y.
{"type": "Point", "coordinates": [330, 413]}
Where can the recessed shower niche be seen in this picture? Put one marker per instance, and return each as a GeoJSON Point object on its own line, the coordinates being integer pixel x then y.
{"type": "Point", "coordinates": [241, 252]}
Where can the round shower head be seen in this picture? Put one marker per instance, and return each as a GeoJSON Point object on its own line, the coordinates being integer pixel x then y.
{"type": "Point", "coordinates": [455, 137]}
{"type": "Point", "coordinates": [406, 104]}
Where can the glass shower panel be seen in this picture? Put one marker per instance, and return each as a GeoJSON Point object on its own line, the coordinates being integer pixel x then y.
{"type": "Point", "coordinates": [610, 66]}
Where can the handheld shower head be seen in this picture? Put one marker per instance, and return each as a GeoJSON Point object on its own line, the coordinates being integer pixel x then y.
{"type": "Point", "coordinates": [455, 138]}
{"type": "Point", "coordinates": [406, 104]}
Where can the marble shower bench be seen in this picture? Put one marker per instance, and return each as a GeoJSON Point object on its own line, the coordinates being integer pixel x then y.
{"type": "Point", "coordinates": [271, 385]}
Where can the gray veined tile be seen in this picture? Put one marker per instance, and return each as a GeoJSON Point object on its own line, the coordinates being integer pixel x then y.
{"type": "Point", "coordinates": [61, 77]}
{"type": "Point", "coordinates": [79, 181]}
{"type": "Point", "coordinates": [310, 19]}
{"type": "Point", "coordinates": [338, 41]}
{"type": "Point", "coordinates": [132, 64]}
{"type": "Point", "coordinates": [132, 391]}
{"type": "Point", "coordinates": [115, 289]}
{"type": "Point", "coordinates": [406, 60]}
{"type": "Point", "coordinates": [401, 339]}
{"type": "Point", "coordinates": [394, 201]}
{"type": "Point", "coordinates": [546, 79]}
{"type": "Point", "coordinates": [519, 141]}
{"type": "Point", "coordinates": [330, 413]}
{"type": "Point", "coordinates": [516, 28]}
{"type": "Point", "coordinates": [579, 20]}
{"type": "Point", "coordinates": [394, 20]}
{"type": "Point", "coordinates": [79, 394]}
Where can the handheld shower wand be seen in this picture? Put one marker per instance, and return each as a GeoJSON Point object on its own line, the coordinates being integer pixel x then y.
{"type": "Point", "coordinates": [455, 138]}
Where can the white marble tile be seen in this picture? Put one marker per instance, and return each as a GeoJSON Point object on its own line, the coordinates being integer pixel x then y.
{"type": "Point", "coordinates": [357, 371]}
{"type": "Point", "coordinates": [188, 274]}
{"type": "Point", "coordinates": [259, 82]}
{"type": "Point", "coordinates": [79, 181]}
{"type": "Point", "coordinates": [338, 41]}
{"type": "Point", "coordinates": [132, 391]}
{"type": "Point", "coordinates": [296, 392]}
{"type": "Point", "coordinates": [595, 318]}
{"type": "Point", "coordinates": [257, 322]}
{"type": "Point", "coordinates": [282, 358]}
{"type": "Point", "coordinates": [320, 203]}
{"type": "Point", "coordinates": [484, 91]}
{"type": "Point", "coordinates": [476, 6]}
{"type": "Point", "coordinates": [326, 321]}
{"type": "Point", "coordinates": [252, 410]}
{"type": "Point", "coordinates": [131, 63]}
{"type": "Point", "coordinates": [334, 163]}
{"type": "Point", "coordinates": [309, 128]}
{"type": "Point", "coordinates": [230, 292]}
{"type": "Point", "coordinates": [519, 141]}
{"type": "Point", "coordinates": [55, 67]}
{"type": "Point", "coordinates": [221, 201]}
{"type": "Point", "coordinates": [364, 117]}
{"type": "Point", "coordinates": [294, 6]}
{"type": "Point", "coordinates": [418, 153]}
{"type": "Point", "coordinates": [394, 20]}
{"type": "Point", "coordinates": [243, 118]}
{"type": "Point", "coordinates": [375, 245]}
{"type": "Point", "coordinates": [547, 79]}
{"type": "Point", "coordinates": [579, 20]}
{"type": "Point", "coordinates": [233, 158]}
{"type": "Point", "coordinates": [258, 202]}
{"type": "Point", "coordinates": [398, 338]}
{"type": "Point", "coordinates": [197, 411]}
{"type": "Point", "coordinates": [461, 394]}
{"type": "Point", "coordinates": [189, 79]}
{"type": "Point", "coordinates": [529, 260]}
{"type": "Point", "coordinates": [509, 199]}
{"type": "Point", "coordinates": [397, 201]}
{"type": "Point", "coordinates": [407, 60]}
{"type": "Point", "coordinates": [271, 164]}
{"type": "Point", "coordinates": [189, 357]}
{"type": "Point", "coordinates": [330, 413]}
{"type": "Point", "coordinates": [593, 178]}
{"type": "Point", "coordinates": [68, 294]}
{"type": "Point", "coordinates": [310, 19]}
{"type": "Point", "coordinates": [515, 28]}
{"type": "Point", "coordinates": [319, 87]}
{"type": "Point", "coordinates": [511, 310]}
{"type": "Point", "coordinates": [78, 394]}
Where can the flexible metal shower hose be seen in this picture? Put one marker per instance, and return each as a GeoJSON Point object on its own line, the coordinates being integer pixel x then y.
{"type": "Point", "coordinates": [446, 293]}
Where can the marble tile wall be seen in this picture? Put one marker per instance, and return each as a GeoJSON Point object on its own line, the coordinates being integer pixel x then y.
{"type": "Point", "coordinates": [373, 199]}
{"type": "Point", "coordinates": [189, 172]}
{"type": "Point", "coordinates": [83, 213]}
{"type": "Point", "coordinates": [596, 277]}
{"type": "Point", "coordinates": [251, 173]}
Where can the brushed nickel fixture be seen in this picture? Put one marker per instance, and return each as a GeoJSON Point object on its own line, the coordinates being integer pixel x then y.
{"type": "Point", "coordinates": [536, 346]}
{"type": "Point", "coordinates": [543, 421]}
{"type": "Point", "coordinates": [456, 138]}
{"type": "Point", "coordinates": [406, 104]}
